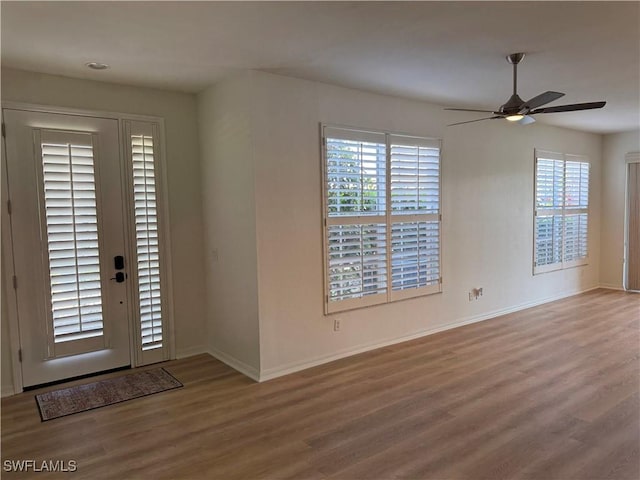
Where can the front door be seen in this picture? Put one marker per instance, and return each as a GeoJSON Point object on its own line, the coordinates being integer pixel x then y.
{"type": "Point", "coordinates": [67, 215]}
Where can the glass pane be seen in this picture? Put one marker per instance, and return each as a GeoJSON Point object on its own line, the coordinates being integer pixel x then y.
{"type": "Point", "coordinates": [415, 179]}
{"type": "Point", "coordinates": [357, 261]}
{"type": "Point", "coordinates": [415, 254]}
{"type": "Point", "coordinates": [549, 183]}
{"type": "Point", "coordinates": [548, 239]}
{"type": "Point", "coordinates": [577, 185]}
{"type": "Point", "coordinates": [575, 244]}
{"type": "Point", "coordinates": [72, 240]}
{"type": "Point", "coordinates": [355, 178]}
{"type": "Point", "coordinates": [147, 247]}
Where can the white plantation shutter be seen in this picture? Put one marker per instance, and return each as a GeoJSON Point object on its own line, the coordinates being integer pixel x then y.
{"type": "Point", "coordinates": [415, 175]}
{"type": "Point", "coordinates": [575, 237]}
{"type": "Point", "coordinates": [148, 266]}
{"type": "Point", "coordinates": [357, 261]}
{"type": "Point", "coordinates": [548, 239]}
{"type": "Point", "coordinates": [576, 210]}
{"type": "Point", "coordinates": [561, 211]}
{"type": "Point", "coordinates": [549, 223]}
{"type": "Point", "coordinates": [147, 249]}
{"type": "Point", "coordinates": [415, 196]}
{"type": "Point", "coordinates": [356, 177]}
{"type": "Point", "coordinates": [416, 255]}
{"type": "Point", "coordinates": [355, 166]}
{"type": "Point", "coordinates": [382, 218]}
{"type": "Point", "coordinates": [68, 196]}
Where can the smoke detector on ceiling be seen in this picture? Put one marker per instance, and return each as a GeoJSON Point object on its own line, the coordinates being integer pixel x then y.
{"type": "Point", "coordinates": [97, 65]}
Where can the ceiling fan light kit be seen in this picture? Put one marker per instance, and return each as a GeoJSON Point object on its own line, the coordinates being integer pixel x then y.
{"type": "Point", "coordinates": [518, 111]}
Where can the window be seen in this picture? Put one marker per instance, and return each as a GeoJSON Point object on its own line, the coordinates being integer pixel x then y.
{"type": "Point", "coordinates": [561, 211]}
{"type": "Point", "coordinates": [71, 217]}
{"type": "Point", "coordinates": [382, 217]}
{"type": "Point", "coordinates": [143, 157]}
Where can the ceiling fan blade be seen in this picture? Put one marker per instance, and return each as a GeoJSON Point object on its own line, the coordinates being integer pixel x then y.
{"type": "Point", "coordinates": [569, 108]}
{"type": "Point", "coordinates": [469, 110]}
{"type": "Point", "coordinates": [540, 100]}
{"type": "Point", "coordinates": [471, 121]}
{"type": "Point", "coordinates": [526, 120]}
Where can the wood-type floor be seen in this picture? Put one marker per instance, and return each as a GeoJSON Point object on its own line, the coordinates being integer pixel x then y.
{"type": "Point", "coordinates": [548, 393]}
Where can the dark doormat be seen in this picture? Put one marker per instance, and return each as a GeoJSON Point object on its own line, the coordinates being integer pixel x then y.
{"type": "Point", "coordinates": [67, 401]}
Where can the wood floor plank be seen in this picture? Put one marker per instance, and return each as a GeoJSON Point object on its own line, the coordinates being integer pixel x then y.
{"type": "Point", "coordinates": [548, 393]}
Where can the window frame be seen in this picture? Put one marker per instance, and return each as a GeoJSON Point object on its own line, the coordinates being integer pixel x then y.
{"type": "Point", "coordinates": [564, 211]}
{"type": "Point", "coordinates": [389, 219]}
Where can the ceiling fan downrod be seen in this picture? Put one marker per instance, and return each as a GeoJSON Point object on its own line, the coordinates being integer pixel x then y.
{"type": "Point", "coordinates": [514, 59]}
{"type": "Point", "coordinates": [513, 104]}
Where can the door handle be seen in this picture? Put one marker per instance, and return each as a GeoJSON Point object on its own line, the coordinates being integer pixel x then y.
{"type": "Point", "coordinates": [119, 278]}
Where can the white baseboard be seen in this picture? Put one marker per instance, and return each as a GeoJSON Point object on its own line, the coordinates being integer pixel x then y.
{"type": "Point", "coordinates": [611, 286]}
{"type": "Point", "coordinates": [271, 373]}
{"type": "Point", "coordinates": [251, 372]}
{"type": "Point", "coordinates": [191, 351]}
{"type": "Point", "coordinates": [7, 391]}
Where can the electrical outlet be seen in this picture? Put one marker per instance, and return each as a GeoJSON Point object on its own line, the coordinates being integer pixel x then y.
{"type": "Point", "coordinates": [471, 296]}
{"type": "Point", "coordinates": [336, 324]}
{"type": "Point", "coordinates": [480, 291]}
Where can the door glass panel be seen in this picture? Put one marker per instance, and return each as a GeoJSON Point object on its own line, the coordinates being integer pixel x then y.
{"type": "Point", "coordinates": [72, 238]}
{"type": "Point", "coordinates": [147, 248]}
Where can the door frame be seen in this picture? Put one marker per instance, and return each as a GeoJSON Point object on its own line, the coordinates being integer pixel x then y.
{"type": "Point", "coordinates": [631, 157]}
{"type": "Point", "coordinates": [165, 233]}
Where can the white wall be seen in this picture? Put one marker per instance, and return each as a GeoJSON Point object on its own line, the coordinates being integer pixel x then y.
{"type": "Point", "coordinates": [183, 172]}
{"type": "Point", "coordinates": [230, 223]}
{"type": "Point", "coordinates": [615, 147]}
{"type": "Point", "coordinates": [487, 219]}
{"type": "Point", "coordinates": [255, 199]}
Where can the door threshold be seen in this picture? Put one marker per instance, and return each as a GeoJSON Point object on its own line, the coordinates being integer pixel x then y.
{"type": "Point", "coordinates": [72, 379]}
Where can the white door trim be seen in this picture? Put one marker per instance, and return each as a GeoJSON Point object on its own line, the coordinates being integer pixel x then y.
{"type": "Point", "coordinates": [7, 235]}
{"type": "Point", "coordinates": [7, 280]}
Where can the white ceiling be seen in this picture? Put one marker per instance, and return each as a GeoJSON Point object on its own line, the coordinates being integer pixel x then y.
{"type": "Point", "coordinates": [448, 53]}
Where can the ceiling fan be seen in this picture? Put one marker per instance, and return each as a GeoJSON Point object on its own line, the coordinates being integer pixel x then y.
{"type": "Point", "coordinates": [517, 110]}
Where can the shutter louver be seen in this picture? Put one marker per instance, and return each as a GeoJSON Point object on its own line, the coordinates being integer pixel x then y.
{"type": "Point", "coordinates": [69, 188]}
{"type": "Point", "coordinates": [147, 247]}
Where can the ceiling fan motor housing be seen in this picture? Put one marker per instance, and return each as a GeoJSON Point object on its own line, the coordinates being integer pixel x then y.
{"type": "Point", "coordinates": [513, 105]}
